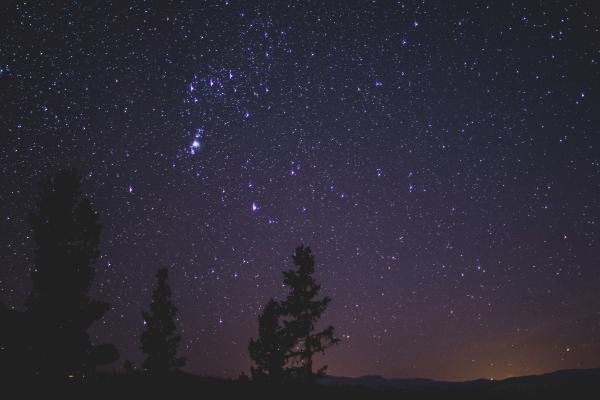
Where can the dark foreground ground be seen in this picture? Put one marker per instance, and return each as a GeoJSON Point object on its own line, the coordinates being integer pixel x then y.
{"type": "Point", "coordinates": [572, 384]}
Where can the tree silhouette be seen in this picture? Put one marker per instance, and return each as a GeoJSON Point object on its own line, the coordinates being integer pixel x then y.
{"type": "Point", "coordinates": [128, 367]}
{"type": "Point", "coordinates": [270, 350]}
{"type": "Point", "coordinates": [159, 341]}
{"type": "Point", "coordinates": [13, 343]}
{"type": "Point", "coordinates": [66, 233]}
{"type": "Point", "coordinates": [302, 310]}
{"type": "Point", "coordinates": [287, 339]}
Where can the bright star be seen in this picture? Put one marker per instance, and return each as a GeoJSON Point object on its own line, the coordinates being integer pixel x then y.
{"type": "Point", "coordinates": [195, 144]}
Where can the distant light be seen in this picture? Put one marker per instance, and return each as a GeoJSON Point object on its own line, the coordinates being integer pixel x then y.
{"type": "Point", "coordinates": [129, 189]}
{"type": "Point", "coordinates": [254, 207]}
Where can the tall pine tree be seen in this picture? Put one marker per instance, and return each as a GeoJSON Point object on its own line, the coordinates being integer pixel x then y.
{"type": "Point", "coordinates": [160, 339]}
{"type": "Point", "coordinates": [287, 339]}
{"type": "Point", "coordinates": [303, 310]}
{"type": "Point", "coordinates": [66, 234]}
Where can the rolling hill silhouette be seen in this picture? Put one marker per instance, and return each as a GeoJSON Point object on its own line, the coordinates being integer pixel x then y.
{"type": "Point", "coordinates": [570, 383]}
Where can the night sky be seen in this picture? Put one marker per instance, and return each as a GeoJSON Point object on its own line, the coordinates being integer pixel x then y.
{"type": "Point", "coordinates": [442, 160]}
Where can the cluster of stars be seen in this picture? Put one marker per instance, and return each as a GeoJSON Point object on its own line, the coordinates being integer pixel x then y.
{"type": "Point", "coordinates": [442, 161]}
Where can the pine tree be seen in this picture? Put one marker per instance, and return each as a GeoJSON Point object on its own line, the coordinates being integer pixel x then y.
{"type": "Point", "coordinates": [66, 233]}
{"type": "Point", "coordinates": [269, 351]}
{"type": "Point", "coordinates": [303, 310]}
{"type": "Point", "coordinates": [159, 341]}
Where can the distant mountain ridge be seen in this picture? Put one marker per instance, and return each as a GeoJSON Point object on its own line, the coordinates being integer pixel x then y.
{"type": "Point", "coordinates": [561, 377]}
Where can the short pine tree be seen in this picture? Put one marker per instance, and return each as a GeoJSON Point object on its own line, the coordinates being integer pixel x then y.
{"type": "Point", "coordinates": [269, 351]}
{"type": "Point", "coordinates": [160, 339]}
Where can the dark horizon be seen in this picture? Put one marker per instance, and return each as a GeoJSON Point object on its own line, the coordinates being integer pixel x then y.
{"type": "Point", "coordinates": [441, 160]}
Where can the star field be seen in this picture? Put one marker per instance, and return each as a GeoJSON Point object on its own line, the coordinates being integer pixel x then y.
{"type": "Point", "coordinates": [442, 161]}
